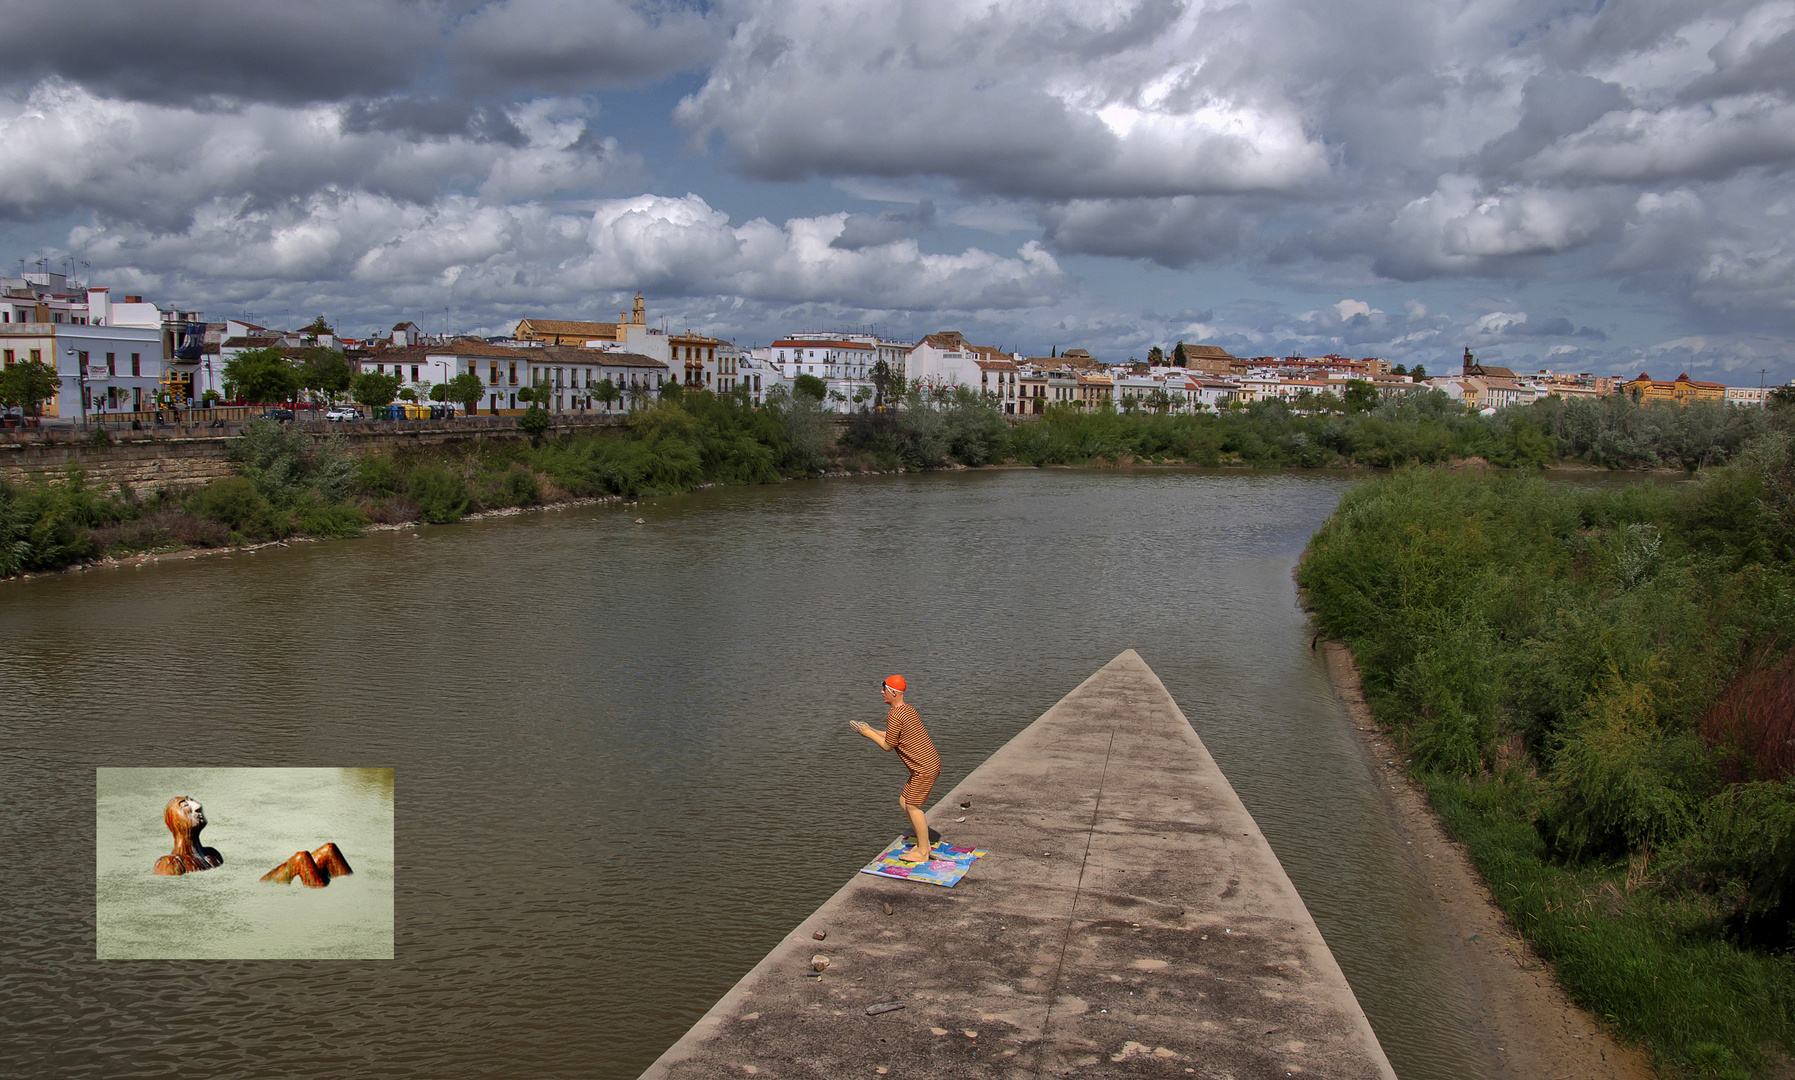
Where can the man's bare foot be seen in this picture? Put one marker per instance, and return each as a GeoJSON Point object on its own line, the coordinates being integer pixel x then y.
{"type": "Point", "coordinates": [914, 856]}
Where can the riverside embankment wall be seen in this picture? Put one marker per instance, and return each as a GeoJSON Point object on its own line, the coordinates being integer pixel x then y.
{"type": "Point", "coordinates": [177, 454]}
{"type": "Point", "coordinates": [181, 454]}
{"type": "Point", "coordinates": [1130, 920]}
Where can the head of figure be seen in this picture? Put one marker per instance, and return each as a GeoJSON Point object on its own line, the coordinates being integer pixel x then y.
{"type": "Point", "coordinates": [184, 816]}
{"type": "Point", "coordinates": [894, 689]}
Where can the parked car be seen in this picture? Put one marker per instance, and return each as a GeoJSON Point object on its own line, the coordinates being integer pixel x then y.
{"type": "Point", "coordinates": [282, 415]}
{"type": "Point", "coordinates": [341, 413]}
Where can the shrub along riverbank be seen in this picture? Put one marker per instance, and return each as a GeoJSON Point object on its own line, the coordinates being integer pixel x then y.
{"type": "Point", "coordinates": [1597, 687]}
{"type": "Point", "coordinates": [290, 485]}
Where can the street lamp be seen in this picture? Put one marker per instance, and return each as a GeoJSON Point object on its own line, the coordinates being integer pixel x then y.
{"type": "Point", "coordinates": [81, 378]}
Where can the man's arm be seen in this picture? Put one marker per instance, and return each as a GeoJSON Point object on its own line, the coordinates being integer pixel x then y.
{"type": "Point", "coordinates": [867, 729]}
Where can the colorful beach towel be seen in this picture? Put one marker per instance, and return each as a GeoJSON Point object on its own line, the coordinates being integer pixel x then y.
{"type": "Point", "coordinates": [947, 867]}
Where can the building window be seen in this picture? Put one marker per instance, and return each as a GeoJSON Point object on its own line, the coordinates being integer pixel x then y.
{"type": "Point", "coordinates": [8, 357]}
{"type": "Point", "coordinates": [495, 381]}
{"type": "Point", "coordinates": [37, 356]}
{"type": "Point", "coordinates": [137, 365]}
{"type": "Point", "coordinates": [111, 364]}
{"type": "Point", "coordinates": [414, 373]}
{"type": "Point", "coordinates": [514, 379]}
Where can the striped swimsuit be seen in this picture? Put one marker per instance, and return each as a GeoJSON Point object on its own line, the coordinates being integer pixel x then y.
{"type": "Point", "coordinates": [905, 734]}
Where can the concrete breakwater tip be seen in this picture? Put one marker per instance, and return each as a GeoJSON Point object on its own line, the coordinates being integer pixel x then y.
{"type": "Point", "coordinates": [1130, 920]}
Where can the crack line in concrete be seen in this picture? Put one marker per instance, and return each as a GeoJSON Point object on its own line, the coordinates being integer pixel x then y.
{"type": "Point", "coordinates": [1077, 890]}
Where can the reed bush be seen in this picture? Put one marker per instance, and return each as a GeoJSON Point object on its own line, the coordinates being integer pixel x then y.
{"type": "Point", "coordinates": [1635, 644]}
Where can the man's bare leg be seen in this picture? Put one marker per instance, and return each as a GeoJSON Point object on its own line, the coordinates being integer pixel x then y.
{"type": "Point", "coordinates": [920, 851]}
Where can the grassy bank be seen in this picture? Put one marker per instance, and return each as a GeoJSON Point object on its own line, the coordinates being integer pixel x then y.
{"type": "Point", "coordinates": [1598, 689]}
{"type": "Point", "coordinates": [290, 486]}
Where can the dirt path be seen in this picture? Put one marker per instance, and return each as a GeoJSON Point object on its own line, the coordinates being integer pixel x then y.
{"type": "Point", "coordinates": [1533, 1031]}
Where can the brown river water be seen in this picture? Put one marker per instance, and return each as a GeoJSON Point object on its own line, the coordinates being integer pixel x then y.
{"type": "Point", "coordinates": [622, 767]}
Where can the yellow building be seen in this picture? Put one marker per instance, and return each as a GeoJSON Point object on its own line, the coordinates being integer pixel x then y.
{"type": "Point", "coordinates": [695, 358]}
{"type": "Point", "coordinates": [1095, 390]}
{"type": "Point", "coordinates": [1680, 391]}
{"type": "Point", "coordinates": [572, 332]}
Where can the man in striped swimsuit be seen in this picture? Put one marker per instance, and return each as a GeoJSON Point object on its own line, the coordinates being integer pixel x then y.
{"type": "Point", "coordinates": [905, 734]}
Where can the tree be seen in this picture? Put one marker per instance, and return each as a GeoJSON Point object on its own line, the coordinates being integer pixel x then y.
{"type": "Point", "coordinates": [1360, 396]}
{"type": "Point", "coordinates": [375, 389]}
{"type": "Point", "coordinates": [1156, 356]}
{"type": "Point", "coordinates": [261, 376]}
{"type": "Point", "coordinates": [811, 387]}
{"type": "Point", "coordinates": [319, 328]}
{"type": "Point", "coordinates": [534, 421]}
{"type": "Point", "coordinates": [607, 392]}
{"type": "Point", "coordinates": [888, 384]}
{"type": "Point", "coordinates": [410, 393]}
{"type": "Point", "coordinates": [672, 391]}
{"type": "Point", "coordinates": [1400, 369]}
{"type": "Point", "coordinates": [325, 371]}
{"type": "Point", "coordinates": [1419, 373]}
{"type": "Point", "coordinates": [465, 390]}
{"type": "Point", "coordinates": [28, 384]}
{"type": "Point", "coordinates": [1781, 399]}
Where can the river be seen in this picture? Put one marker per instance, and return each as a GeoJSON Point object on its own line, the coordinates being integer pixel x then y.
{"type": "Point", "coordinates": [622, 767]}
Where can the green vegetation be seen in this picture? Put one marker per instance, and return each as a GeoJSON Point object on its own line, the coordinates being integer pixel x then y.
{"type": "Point", "coordinates": [27, 384]}
{"type": "Point", "coordinates": [1597, 686]}
{"type": "Point", "coordinates": [262, 375]}
{"type": "Point", "coordinates": [679, 438]}
{"type": "Point", "coordinates": [374, 388]}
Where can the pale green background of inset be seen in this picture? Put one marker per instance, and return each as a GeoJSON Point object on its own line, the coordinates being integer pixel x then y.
{"type": "Point", "coordinates": [256, 818]}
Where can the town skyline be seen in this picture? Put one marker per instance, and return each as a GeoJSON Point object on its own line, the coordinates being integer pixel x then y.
{"type": "Point", "coordinates": [1583, 190]}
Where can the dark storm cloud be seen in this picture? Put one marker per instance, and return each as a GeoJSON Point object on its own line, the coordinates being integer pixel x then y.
{"type": "Point", "coordinates": [867, 230]}
{"type": "Point", "coordinates": [1552, 107]}
{"type": "Point", "coordinates": [567, 46]}
{"type": "Point", "coordinates": [1171, 232]}
{"type": "Point", "coordinates": [178, 51]}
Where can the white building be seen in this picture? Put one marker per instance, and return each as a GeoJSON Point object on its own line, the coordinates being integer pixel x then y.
{"type": "Point", "coordinates": [844, 362]}
{"type": "Point", "coordinates": [760, 376]}
{"type": "Point", "coordinates": [999, 382]}
{"type": "Point", "coordinates": [111, 356]}
{"type": "Point", "coordinates": [572, 375]}
{"type": "Point", "coordinates": [946, 360]}
{"type": "Point", "coordinates": [1748, 395]}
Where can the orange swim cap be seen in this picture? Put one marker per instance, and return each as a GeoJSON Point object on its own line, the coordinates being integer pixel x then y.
{"type": "Point", "coordinates": [896, 682]}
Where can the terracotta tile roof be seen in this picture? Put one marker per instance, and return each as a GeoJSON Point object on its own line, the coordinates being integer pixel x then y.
{"type": "Point", "coordinates": [568, 354]}
{"type": "Point", "coordinates": [996, 365]}
{"type": "Point", "coordinates": [545, 329]}
{"type": "Point", "coordinates": [475, 347]}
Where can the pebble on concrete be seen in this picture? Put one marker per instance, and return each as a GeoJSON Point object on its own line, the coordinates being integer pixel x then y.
{"type": "Point", "coordinates": [884, 1007]}
{"type": "Point", "coordinates": [821, 934]}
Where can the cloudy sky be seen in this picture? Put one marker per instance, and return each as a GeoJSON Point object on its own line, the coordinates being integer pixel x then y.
{"type": "Point", "coordinates": [1591, 186]}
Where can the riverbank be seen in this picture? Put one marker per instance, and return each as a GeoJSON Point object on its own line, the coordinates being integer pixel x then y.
{"type": "Point", "coordinates": [1528, 1025]}
{"type": "Point", "coordinates": [1592, 688]}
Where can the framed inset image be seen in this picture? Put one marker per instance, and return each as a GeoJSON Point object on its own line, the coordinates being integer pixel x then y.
{"type": "Point", "coordinates": [244, 864]}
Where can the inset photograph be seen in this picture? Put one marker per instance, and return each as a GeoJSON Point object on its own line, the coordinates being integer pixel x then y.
{"type": "Point", "coordinates": [244, 864]}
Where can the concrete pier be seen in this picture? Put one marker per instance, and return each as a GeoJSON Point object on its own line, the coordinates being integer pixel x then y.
{"type": "Point", "coordinates": [1130, 920]}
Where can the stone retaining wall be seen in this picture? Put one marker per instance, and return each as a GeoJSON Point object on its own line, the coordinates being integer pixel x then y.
{"type": "Point", "coordinates": [168, 456]}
